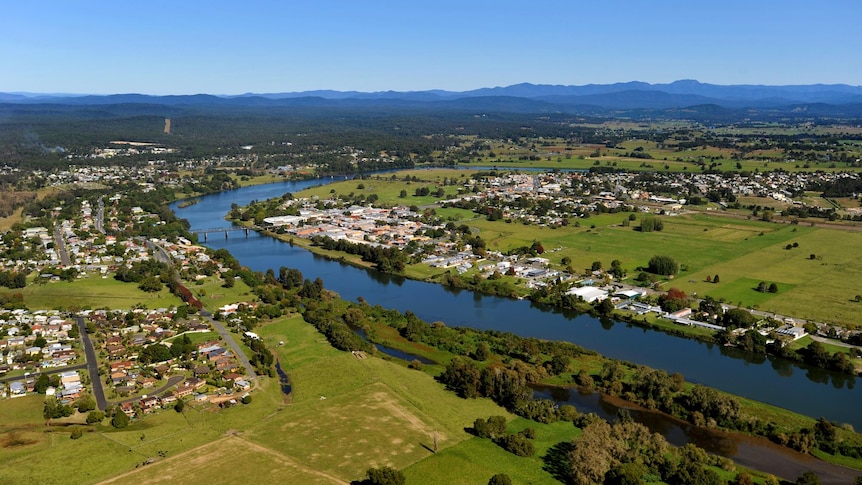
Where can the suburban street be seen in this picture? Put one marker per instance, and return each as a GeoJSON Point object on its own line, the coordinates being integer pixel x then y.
{"type": "Point", "coordinates": [60, 244]}
{"type": "Point", "coordinates": [100, 216]}
{"type": "Point", "coordinates": [92, 365]}
{"type": "Point", "coordinates": [162, 256]}
{"type": "Point", "coordinates": [173, 381]}
{"type": "Point", "coordinates": [52, 370]}
{"type": "Point", "coordinates": [249, 369]}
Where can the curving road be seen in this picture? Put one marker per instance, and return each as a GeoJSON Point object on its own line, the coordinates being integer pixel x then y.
{"type": "Point", "coordinates": [249, 369]}
{"type": "Point", "coordinates": [173, 381]}
{"type": "Point", "coordinates": [162, 256]}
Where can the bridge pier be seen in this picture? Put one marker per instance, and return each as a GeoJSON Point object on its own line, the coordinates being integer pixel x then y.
{"type": "Point", "coordinates": [226, 233]}
{"type": "Point", "coordinates": [205, 237]}
{"type": "Point", "coordinates": [246, 233]}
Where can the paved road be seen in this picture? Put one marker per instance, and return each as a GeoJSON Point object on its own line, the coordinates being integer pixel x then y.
{"type": "Point", "coordinates": [824, 340]}
{"type": "Point", "coordinates": [60, 245]}
{"type": "Point", "coordinates": [173, 381]}
{"type": "Point", "coordinates": [249, 369]}
{"type": "Point", "coordinates": [162, 256]}
{"type": "Point", "coordinates": [50, 370]}
{"type": "Point", "coordinates": [100, 216]}
{"type": "Point", "coordinates": [92, 365]}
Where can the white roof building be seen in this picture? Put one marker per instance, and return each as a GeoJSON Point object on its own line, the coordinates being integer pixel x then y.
{"type": "Point", "coordinates": [588, 293]}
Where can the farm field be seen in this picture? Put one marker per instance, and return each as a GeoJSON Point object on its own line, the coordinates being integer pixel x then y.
{"type": "Point", "coordinates": [636, 154]}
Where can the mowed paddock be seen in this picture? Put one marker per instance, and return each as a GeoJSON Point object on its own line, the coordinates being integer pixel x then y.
{"type": "Point", "coordinates": [349, 433]}
{"type": "Point", "coordinates": [743, 252]}
{"type": "Point", "coordinates": [228, 460]}
{"type": "Point", "coordinates": [348, 414]}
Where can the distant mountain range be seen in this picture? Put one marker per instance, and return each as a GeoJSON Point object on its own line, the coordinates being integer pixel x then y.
{"type": "Point", "coordinates": [823, 99]}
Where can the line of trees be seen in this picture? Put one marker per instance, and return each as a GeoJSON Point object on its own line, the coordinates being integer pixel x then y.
{"type": "Point", "coordinates": [384, 259]}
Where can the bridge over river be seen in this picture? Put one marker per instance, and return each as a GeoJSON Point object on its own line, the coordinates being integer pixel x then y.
{"type": "Point", "coordinates": [226, 230]}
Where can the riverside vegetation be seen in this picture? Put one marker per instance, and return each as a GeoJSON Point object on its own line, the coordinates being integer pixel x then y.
{"type": "Point", "coordinates": [706, 243]}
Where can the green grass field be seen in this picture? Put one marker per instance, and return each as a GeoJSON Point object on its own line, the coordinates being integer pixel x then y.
{"type": "Point", "coordinates": [212, 293]}
{"type": "Point", "coordinates": [389, 191]}
{"type": "Point", "coordinates": [92, 292]}
{"type": "Point", "coordinates": [348, 414]}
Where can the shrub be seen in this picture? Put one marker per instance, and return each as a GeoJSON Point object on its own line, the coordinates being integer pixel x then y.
{"type": "Point", "coordinates": [94, 417]}
{"type": "Point", "coordinates": [517, 444]}
{"type": "Point", "coordinates": [500, 479]}
{"type": "Point", "coordinates": [663, 265]}
{"type": "Point", "coordinates": [120, 420]}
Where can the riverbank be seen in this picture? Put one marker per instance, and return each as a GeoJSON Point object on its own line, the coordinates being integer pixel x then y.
{"type": "Point", "coordinates": [513, 287]}
{"type": "Point", "coordinates": [747, 447]}
{"type": "Point", "coordinates": [417, 273]}
{"type": "Point", "coordinates": [782, 383]}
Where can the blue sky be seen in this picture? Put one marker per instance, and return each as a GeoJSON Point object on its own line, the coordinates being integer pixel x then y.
{"type": "Point", "coordinates": [234, 47]}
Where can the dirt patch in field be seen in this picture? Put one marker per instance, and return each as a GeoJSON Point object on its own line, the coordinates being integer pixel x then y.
{"type": "Point", "coordinates": [16, 439]}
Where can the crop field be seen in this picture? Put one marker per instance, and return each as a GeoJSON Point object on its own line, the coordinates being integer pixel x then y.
{"type": "Point", "coordinates": [92, 292]}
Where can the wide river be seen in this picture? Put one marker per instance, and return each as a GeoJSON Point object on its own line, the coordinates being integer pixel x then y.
{"type": "Point", "coordinates": [809, 391]}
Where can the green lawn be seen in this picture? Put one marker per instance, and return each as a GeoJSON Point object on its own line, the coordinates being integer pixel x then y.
{"type": "Point", "coordinates": [212, 293]}
{"type": "Point", "coordinates": [92, 292]}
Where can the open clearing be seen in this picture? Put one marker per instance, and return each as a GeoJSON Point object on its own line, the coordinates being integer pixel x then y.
{"type": "Point", "coordinates": [228, 460]}
{"type": "Point", "coordinates": [349, 414]}
{"type": "Point", "coordinates": [92, 292]}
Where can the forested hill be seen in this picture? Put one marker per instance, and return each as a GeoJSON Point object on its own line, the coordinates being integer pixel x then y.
{"type": "Point", "coordinates": [620, 99]}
